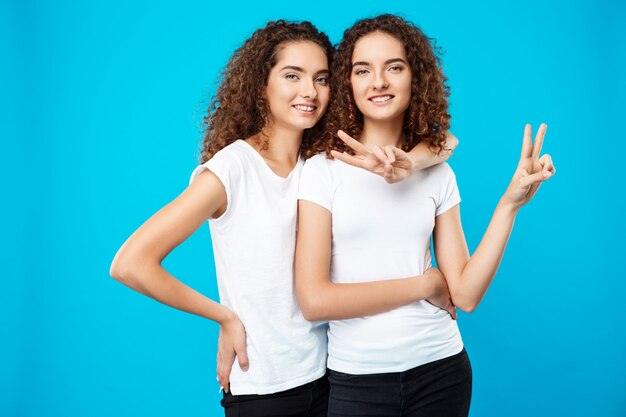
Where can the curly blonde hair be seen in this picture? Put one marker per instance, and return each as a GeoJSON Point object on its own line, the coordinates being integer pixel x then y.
{"type": "Point", "coordinates": [427, 117]}
{"type": "Point", "coordinates": [238, 111]}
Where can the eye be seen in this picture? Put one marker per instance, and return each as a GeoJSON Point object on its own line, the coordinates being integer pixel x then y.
{"type": "Point", "coordinates": [361, 71]}
{"type": "Point", "coordinates": [322, 80]}
{"type": "Point", "coordinates": [292, 77]}
{"type": "Point", "coordinates": [395, 68]}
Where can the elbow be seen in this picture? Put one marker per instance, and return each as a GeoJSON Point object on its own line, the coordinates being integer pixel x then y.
{"type": "Point", "coordinates": [122, 270]}
{"type": "Point", "coordinates": [467, 307]}
{"type": "Point", "coordinates": [119, 271]}
{"type": "Point", "coordinates": [451, 142]}
{"type": "Point", "coordinates": [311, 307]}
{"type": "Point", "coordinates": [465, 304]}
{"type": "Point", "coordinates": [310, 315]}
{"type": "Point", "coordinates": [311, 311]}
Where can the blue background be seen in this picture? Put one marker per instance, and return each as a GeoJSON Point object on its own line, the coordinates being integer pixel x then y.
{"type": "Point", "coordinates": [101, 106]}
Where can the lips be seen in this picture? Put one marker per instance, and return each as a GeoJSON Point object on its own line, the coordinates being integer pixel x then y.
{"type": "Point", "coordinates": [381, 99]}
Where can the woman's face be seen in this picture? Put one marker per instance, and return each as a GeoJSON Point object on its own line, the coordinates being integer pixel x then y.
{"type": "Point", "coordinates": [381, 77]}
{"type": "Point", "coordinates": [297, 90]}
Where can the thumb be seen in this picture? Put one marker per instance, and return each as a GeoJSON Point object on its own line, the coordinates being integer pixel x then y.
{"type": "Point", "coordinates": [242, 358]}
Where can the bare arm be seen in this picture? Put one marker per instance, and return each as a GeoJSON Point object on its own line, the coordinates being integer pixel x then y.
{"type": "Point", "coordinates": [422, 156]}
{"type": "Point", "coordinates": [321, 299]}
{"type": "Point", "coordinates": [137, 264]}
{"type": "Point", "coordinates": [393, 163]}
{"type": "Point", "coordinates": [470, 277]}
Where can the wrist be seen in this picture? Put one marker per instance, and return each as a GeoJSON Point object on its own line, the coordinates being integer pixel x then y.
{"type": "Point", "coordinates": [508, 207]}
{"type": "Point", "coordinates": [426, 286]}
{"type": "Point", "coordinates": [416, 165]}
{"type": "Point", "coordinates": [224, 315]}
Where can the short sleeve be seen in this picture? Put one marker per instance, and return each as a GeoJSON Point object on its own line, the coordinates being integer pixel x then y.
{"type": "Point", "coordinates": [226, 166]}
{"type": "Point", "coordinates": [449, 192]}
{"type": "Point", "coordinates": [316, 182]}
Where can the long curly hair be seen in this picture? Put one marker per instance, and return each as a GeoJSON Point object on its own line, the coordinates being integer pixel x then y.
{"type": "Point", "coordinates": [238, 111]}
{"type": "Point", "coordinates": [426, 118]}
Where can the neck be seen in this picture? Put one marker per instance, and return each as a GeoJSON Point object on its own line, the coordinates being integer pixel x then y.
{"type": "Point", "coordinates": [283, 146]}
{"type": "Point", "coordinates": [382, 132]}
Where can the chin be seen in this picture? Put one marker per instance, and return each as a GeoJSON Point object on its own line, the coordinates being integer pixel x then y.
{"type": "Point", "coordinates": [300, 126]}
{"type": "Point", "coordinates": [306, 124]}
{"type": "Point", "coordinates": [383, 116]}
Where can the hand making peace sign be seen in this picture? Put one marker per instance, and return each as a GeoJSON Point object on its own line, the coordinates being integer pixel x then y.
{"type": "Point", "coordinates": [532, 170]}
{"type": "Point", "coordinates": [389, 162]}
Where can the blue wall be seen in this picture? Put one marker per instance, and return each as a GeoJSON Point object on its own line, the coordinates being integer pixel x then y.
{"type": "Point", "coordinates": [101, 108]}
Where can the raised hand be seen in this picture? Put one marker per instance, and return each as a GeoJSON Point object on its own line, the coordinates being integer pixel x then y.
{"type": "Point", "coordinates": [231, 343]}
{"type": "Point", "coordinates": [531, 170]}
{"type": "Point", "coordinates": [389, 162]}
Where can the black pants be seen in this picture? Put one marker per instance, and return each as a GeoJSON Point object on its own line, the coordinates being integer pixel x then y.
{"type": "Point", "coordinates": [308, 400]}
{"type": "Point", "coordinates": [441, 388]}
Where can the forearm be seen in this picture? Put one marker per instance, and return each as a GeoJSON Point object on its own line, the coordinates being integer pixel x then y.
{"type": "Point", "coordinates": [422, 156]}
{"type": "Point", "coordinates": [482, 266]}
{"type": "Point", "coordinates": [334, 301]}
{"type": "Point", "coordinates": [155, 282]}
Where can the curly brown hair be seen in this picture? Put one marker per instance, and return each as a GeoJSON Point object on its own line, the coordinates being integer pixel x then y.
{"type": "Point", "coordinates": [427, 117]}
{"type": "Point", "coordinates": [238, 111]}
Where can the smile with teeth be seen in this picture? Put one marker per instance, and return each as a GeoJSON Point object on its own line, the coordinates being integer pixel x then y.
{"type": "Point", "coordinates": [304, 107]}
{"type": "Point", "coordinates": [381, 99]}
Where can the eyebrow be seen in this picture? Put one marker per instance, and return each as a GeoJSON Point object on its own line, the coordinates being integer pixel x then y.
{"type": "Point", "coordinates": [292, 67]}
{"type": "Point", "coordinates": [387, 62]}
{"type": "Point", "coordinates": [300, 69]}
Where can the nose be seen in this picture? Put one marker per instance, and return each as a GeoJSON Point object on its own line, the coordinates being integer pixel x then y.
{"type": "Point", "coordinates": [308, 90]}
{"type": "Point", "coordinates": [380, 82]}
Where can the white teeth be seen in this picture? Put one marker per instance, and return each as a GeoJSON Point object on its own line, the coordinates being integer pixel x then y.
{"type": "Point", "coordinates": [304, 108]}
{"type": "Point", "coordinates": [381, 99]}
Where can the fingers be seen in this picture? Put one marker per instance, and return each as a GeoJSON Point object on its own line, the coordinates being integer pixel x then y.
{"type": "Point", "coordinates": [452, 311]}
{"type": "Point", "coordinates": [390, 158]}
{"type": "Point", "coordinates": [356, 146]}
{"type": "Point", "coordinates": [223, 380]}
{"type": "Point", "coordinates": [224, 367]}
{"type": "Point", "coordinates": [532, 179]}
{"type": "Point", "coordinates": [390, 154]}
{"type": "Point", "coordinates": [378, 153]}
{"type": "Point", "coordinates": [398, 154]}
{"type": "Point", "coordinates": [527, 142]}
{"type": "Point", "coordinates": [348, 159]}
{"type": "Point", "coordinates": [548, 167]}
{"type": "Point", "coordinates": [388, 173]}
{"type": "Point", "coordinates": [225, 375]}
{"type": "Point", "coordinates": [541, 133]}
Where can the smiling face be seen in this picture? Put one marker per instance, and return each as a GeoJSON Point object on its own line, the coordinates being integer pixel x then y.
{"type": "Point", "coordinates": [381, 77]}
{"type": "Point", "coordinates": [297, 90]}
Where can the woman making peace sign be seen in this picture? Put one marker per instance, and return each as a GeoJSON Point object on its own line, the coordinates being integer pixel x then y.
{"type": "Point", "coordinates": [389, 92]}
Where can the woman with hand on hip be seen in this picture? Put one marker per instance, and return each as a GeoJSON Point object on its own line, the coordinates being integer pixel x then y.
{"type": "Point", "coordinates": [274, 91]}
{"type": "Point", "coordinates": [390, 93]}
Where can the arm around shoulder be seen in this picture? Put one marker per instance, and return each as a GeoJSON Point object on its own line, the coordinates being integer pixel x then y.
{"type": "Point", "coordinates": [422, 156]}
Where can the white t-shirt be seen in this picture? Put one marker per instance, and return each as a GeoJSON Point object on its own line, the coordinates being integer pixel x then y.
{"type": "Point", "coordinates": [254, 246]}
{"type": "Point", "coordinates": [379, 232]}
